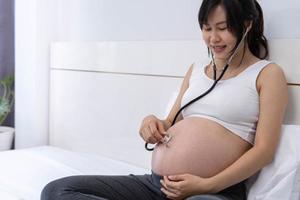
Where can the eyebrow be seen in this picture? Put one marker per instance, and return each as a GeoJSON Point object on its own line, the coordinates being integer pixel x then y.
{"type": "Point", "coordinates": [222, 22]}
{"type": "Point", "coordinates": [218, 23]}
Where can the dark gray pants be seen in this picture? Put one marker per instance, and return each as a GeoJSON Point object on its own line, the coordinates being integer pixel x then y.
{"type": "Point", "coordinates": [132, 187]}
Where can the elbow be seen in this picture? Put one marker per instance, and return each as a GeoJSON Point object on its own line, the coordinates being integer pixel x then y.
{"type": "Point", "coordinates": [269, 155]}
{"type": "Point", "coordinates": [269, 159]}
{"type": "Point", "coordinates": [266, 160]}
{"type": "Point", "coordinates": [266, 156]}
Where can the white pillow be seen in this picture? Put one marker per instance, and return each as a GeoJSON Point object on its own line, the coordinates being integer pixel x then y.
{"type": "Point", "coordinates": [280, 180]}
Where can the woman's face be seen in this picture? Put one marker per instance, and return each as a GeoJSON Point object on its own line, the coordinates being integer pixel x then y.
{"type": "Point", "coordinates": [217, 35]}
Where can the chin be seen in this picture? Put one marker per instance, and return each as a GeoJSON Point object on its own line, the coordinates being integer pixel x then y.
{"type": "Point", "coordinates": [220, 57]}
{"type": "Point", "coordinates": [224, 55]}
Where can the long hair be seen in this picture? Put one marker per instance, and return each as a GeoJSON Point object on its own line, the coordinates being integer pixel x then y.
{"type": "Point", "coordinates": [238, 13]}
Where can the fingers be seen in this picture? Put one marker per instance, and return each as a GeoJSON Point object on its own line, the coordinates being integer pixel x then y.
{"type": "Point", "coordinates": [161, 128]}
{"type": "Point", "coordinates": [169, 185]}
{"type": "Point", "coordinates": [172, 184]}
{"type": "Point", "coordinates": [180, 186]}
{"type": "Point", "coordinates": [169, 194]}
{"type": "Point", "coordinates": [152, 130]}
{"type": "Point", "coordinates": [170, 188]}
{"type": "Point", "coordinates": [155, 132]}
{"type": "Point", "coordinates": [148, 136]}
{"type": "Point", "coordinates": [181, 177]}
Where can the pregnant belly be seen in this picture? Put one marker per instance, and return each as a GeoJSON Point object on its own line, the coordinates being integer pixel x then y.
{"type": "Point", "coordinates": [198, 146]}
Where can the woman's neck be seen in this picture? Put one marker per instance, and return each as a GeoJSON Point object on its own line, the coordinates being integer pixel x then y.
{"type": "Point", "coordinates": [242, 57]}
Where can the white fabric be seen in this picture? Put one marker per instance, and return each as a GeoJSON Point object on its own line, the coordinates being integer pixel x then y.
{"type": "Point", "coordinates": [280, 180]}
{"type": "Point", "coordinates": [24, 173]}
{"type": "Point", "coordinates": [233, 103]}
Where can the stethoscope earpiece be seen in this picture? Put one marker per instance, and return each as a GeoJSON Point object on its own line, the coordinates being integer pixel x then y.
{"type": "Point", "coordinates": [249, 27]}
{"type": "Point", "coordinates": [167, 138]}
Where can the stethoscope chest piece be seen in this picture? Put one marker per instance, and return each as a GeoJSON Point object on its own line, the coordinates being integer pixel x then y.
{"type": "Point", "coordinates": [166, 139]}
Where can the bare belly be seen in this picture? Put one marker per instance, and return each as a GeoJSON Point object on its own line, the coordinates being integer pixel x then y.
{"type": "Point", "coordinates": [198, 146]}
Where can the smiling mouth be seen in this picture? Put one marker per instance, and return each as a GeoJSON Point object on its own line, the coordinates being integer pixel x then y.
{"type": "Point", "coordinates": [218, 48]}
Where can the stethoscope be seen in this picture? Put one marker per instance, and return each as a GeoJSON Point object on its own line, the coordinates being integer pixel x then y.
{"type": "Point", "coordinates": [167, 138]}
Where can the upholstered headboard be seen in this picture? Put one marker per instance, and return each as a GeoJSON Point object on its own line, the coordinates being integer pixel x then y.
{"type": "Point", "coordinates": [100, 91]}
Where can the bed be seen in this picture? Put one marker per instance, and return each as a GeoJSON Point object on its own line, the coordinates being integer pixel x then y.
{"type": "Point", "coordinates": [25, 172]}
{"type": "Point", "coordinates": [99, 93]}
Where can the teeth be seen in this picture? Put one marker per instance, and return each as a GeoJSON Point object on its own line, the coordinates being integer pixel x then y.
{"type": "Point", "coordinates": [218, 46]}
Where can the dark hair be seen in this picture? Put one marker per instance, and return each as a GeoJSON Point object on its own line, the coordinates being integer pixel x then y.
{"type": "Point", "coordinates": [238, 13]}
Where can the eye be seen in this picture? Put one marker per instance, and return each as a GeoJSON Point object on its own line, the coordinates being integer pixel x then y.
{"type": "Point", "coordinates": [222, 28]}
{"type": "Point", "coordinates": [206, 28]}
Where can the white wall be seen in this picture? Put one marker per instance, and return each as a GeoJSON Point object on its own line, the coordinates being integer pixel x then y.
{"type": "Point", "coordinates": [282, 18]}
{"type": "Point", "coordinates": [128, 20]}
{"type": "Point", "coordinates": [39, 22]}
{"type": "Point", "coordinates": [158, 19]}
{"type": "Point", "coordinates": [33, 32]}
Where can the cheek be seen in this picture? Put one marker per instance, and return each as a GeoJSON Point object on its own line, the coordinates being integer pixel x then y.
{"type": "Point", "coordinates": [230, 39]}
{"type": "Point", "coordinates": [205, 37]}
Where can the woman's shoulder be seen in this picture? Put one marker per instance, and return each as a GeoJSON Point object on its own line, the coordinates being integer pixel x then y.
{"type": "Point", "coordinates": [272, 74]}
{"type": "Point", "coordinates": [265, 68]}
{"type": "Point", "coordinates": [272, 69]}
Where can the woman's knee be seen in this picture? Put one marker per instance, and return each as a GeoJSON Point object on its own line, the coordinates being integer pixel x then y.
{"type": "Point", "coordinates": [49, 191]}
{"type": "Point", "coordinates": [55, 189]}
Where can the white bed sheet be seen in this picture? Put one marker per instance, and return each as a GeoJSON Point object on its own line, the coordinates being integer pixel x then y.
{"type": "Point", "coordinates": [48, 163]}
{"type": "Point", "coordinates": [24, 173]}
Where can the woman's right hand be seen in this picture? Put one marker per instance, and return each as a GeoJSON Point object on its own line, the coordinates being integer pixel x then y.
{"type": "Point", "coordinates": [152, 129]}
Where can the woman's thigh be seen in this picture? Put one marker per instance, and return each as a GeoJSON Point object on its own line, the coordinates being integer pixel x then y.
{"type": "Point", "coordinates": [208, 197]}
{"type": "Point", "coordinates": [100, 188]}
{"type": "Point", "coordinates": [235, 192]}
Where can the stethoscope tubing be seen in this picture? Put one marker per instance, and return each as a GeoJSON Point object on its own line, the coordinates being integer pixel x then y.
{"type": "Point", "coordinates": [196, 99]}
{"type": "Point", "coordinates": [216, 80]}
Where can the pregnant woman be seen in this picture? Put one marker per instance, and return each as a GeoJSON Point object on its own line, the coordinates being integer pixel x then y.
{"type": "Point", "coordinates": [217, 141]}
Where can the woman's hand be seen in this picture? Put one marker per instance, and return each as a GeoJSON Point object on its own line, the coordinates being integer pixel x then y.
{"type": "Point", "coordinates": [182, 186]}
{"type": "Point", "coordinates": [152, 129]}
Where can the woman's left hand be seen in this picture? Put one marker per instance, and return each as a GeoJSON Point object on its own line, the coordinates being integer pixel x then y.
{"type": "Point", "coordinates": [182, 186]}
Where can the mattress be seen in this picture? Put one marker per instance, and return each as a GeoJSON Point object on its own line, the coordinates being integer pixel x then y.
{"type": "Point", "coordinates": [24, 173]}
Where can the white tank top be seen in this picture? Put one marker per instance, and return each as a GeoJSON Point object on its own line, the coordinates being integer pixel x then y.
{"type": "Point", "coordinates": [233, 103]}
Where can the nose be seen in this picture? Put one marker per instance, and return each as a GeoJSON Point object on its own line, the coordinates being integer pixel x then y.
{"type": "Point", "coordinates": [214, 37]}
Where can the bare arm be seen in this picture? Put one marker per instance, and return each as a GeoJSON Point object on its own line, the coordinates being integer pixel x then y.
{"type": "Point", "coordinates": [152, 128]}
{"type": "Point", "coordinates": [177, 104]}
{"type": "Point", "coordinates": [273, 99]}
